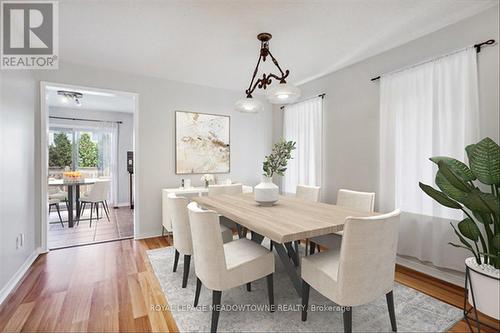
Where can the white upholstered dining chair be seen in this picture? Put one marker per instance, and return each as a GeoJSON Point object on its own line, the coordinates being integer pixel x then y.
{"type": "Point", "coordinates": [361, 271]}
{"type": "Point", "coordinates": [231, 189]}
{"type": "Point", "coordinates": [177, 208]}
{"type": "Point", "coordinates": [98, 194]}
{"type": "Point", "coordinates": [360, 201]}
{"type": "Point", "coordinates": [221, 266]}
{"type": "Point", "coordinates": [305, 192]}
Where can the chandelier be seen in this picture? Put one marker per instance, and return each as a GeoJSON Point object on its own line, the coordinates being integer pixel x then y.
{"type": "Point", "coordinates": [281, 93]}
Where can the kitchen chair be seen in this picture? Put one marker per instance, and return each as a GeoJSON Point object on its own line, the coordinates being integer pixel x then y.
{"type": "Point", "coordinates": [361, 271]}
{"type": "Point", "coordinates": [177, 208]}
{"type": "Point", "coordinates": [224, 266]}
{"type": "Point", "coordinates": [55, 203]}
{"type": "Point", "coordinates": [98, 194]}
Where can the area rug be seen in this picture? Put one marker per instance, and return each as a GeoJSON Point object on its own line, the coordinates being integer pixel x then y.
{"type": "Point", "coordinates": [247, 311]}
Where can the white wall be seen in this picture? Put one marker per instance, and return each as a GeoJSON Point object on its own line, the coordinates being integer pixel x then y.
{"type": "Point", "coordinates": [17, 171]}
{"type": "Point", "coordinates": [125, 137]}
{"type": "Point", "coordinates": [351, 113]}
{"type": "Point", "coordinates": [158, 99]}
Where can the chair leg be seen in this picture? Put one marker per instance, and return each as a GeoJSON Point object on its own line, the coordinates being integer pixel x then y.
{"type": "Point", "coordinates": [97, 210]}
{"type": "Point", "coordinates": [197, 292]}
{"type": "Point", "coordinates": [50, 208]}
{"type": "Point", "coordinates": [348, 319]}
{"type": "Point", "coordinates": [305, 299]}
{"type": "Point", "coordinates": [67, 204]}
{"type": "Point", "coordinates": [390, 304]}
{"type": "Point", "coordinates": [270, 291]}
{"type": "Point", "coordinates": [216, 297]}
{"type": "Point", "coordinates": [59, 213]}
{"type": "Point", "coordinates": [318, 247]}
{"type": "Point", "coordinates": [91, 210]}
{"type": "Point", "coordinates": [271, 246]}
{"type": "Point", "coordinates": [82, 211]}
{"type": "Point", "coordinates": [185, 275]}
{"type": "Point", "coordinates": [249, 286]}
{"type": "Point", "coordinates": [312, 247]}
{"type": "Point", "coordinates": [105, 210]}
{"type": "Point", "coordinates": [176, 260]}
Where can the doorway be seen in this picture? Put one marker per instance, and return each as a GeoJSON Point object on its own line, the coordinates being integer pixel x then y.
{"type": "Point", "coordinates": [87, 182]}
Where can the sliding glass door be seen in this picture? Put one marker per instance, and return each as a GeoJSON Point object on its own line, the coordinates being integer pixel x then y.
{"type": "Point", "coordinates": [89, 150]}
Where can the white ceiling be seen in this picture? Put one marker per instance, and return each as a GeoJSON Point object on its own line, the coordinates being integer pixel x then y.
{"type": "Point", "coordinates": [214, 42]}
{"type": "Point", "coordinates": [92, 100]}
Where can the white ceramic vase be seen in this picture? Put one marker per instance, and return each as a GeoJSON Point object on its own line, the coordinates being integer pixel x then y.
{"type": "Point", "coordinates": [266, 193]}
{"type": "Point", "coordinates": [485, 281]}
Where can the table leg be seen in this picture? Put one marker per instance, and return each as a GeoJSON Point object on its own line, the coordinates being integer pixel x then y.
{"type": "Point", "coordinates": [289, 267]}
{"type": "Point", "coordinates": [294, 255]}
{"type": "Point", "coordinates": [256, 237]}
{"type": "Point", "coordinates": [70, 206]}
{"type": "Point", "coordinates": [77, 201]}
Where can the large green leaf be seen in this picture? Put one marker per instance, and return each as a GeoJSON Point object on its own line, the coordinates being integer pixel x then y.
{"type": "Point", "coordinates": [484, 159]}
{"type": "Point", "coordinates": [469, 229]}
{"type": "Point", "coordinates": [448, 189]}
{"type": "Point", "coordinates": [454, 180]}
{"type": "Point", "coordinates": [459, 168]}
{"type": "Point", "coordinates": [495, 242]}
{"type": "Point", "coordinates": [439, 196]}
{"type": "Point", "coordinates": [482, 202]}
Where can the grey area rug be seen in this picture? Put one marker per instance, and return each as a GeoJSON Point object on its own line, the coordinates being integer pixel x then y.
{"type": "Point", "coordinates": [246, 311]}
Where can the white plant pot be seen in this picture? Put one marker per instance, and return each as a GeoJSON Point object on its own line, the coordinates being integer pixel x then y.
{"type": "Point", "coordinates": [485, 281]}
{"type": "Point", "coordinates": [266, 193]}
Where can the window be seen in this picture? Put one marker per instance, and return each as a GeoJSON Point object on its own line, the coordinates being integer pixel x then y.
{"type": "Point", "coordinates": [302, 123]}
{"type": "Point", "coordinates": [428, 110]}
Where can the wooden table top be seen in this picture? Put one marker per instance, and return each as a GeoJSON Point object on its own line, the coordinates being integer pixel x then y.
{"type": "Point", "coordinates": [290, 219]}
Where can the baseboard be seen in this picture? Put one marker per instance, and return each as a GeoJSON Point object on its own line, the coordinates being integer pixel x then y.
{"type": "Point", "coordinates": [19, 275]}
{"type": "Point", "coordinates": [122, 204]}
{"type": "Point", "coordinates": [433, 271]}
{"type": "Point", "coordinates": [148, 235]}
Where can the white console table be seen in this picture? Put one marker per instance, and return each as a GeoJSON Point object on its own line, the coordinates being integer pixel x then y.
{"type": "Point", "coordinates": [187, 192]}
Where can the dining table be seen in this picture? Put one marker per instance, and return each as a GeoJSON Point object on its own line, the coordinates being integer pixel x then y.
{"type": "Point", "coordinates": [290, 219]}
{"type": "Point", "coordinates": [73, 195]}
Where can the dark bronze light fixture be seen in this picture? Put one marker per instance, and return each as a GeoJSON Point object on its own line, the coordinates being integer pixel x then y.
{"type": "Point", "coordinates": [282, 93]}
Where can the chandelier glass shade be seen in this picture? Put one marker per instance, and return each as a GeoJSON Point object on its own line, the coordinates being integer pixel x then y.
{"type": "Point", "coordinates": [282, 93]}
{"type": "Point", "coordinates": [249, 105]}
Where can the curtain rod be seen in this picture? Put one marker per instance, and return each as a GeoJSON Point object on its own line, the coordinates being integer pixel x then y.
{"type": "Point", "coordinates": [477, 46]}
{"type": "Point", "coordinates": [305, 99]}
{"type": "Point", "coordinates": [93, 120]}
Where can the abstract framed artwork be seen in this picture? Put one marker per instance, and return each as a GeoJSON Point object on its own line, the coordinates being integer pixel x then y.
{"type": "Point", "coordinates": [202, 143]}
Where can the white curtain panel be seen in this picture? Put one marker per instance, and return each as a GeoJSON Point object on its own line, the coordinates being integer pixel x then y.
{"type": "Point", "coordinates": [109, 144]}
{"type": "Point", "coordinates": [427, 110]}
{"type": "Point", "coordinates": [302, 123]}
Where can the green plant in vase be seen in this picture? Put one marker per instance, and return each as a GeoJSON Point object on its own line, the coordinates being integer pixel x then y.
{"type": "Point", "coordinates": [277, 161]}
{"type": "Point", "coordinates": [266, 193]}
{"type": "Point", "coordinates": [474, 189]}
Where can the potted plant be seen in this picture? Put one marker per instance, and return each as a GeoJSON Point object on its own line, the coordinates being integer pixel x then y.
{"type": "Point", "coordinates": [266, 193]}
{"type": "Point", "coordinates": [474, 189]}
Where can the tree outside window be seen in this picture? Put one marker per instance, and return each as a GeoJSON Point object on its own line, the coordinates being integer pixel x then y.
{"type": "Point", "coordinates": [88, 155]}
{"type": "Point", "coordinates": [60, 151]}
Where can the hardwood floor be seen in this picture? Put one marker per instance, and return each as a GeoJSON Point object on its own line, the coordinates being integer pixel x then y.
{"type": "Point", "coordinates": [121, 225]}
{"type": "Point", "coordinates": [112, 287]}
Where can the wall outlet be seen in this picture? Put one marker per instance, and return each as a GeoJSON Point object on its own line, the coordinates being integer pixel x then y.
{"type": "Point", "coordinates": [19, 241]}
